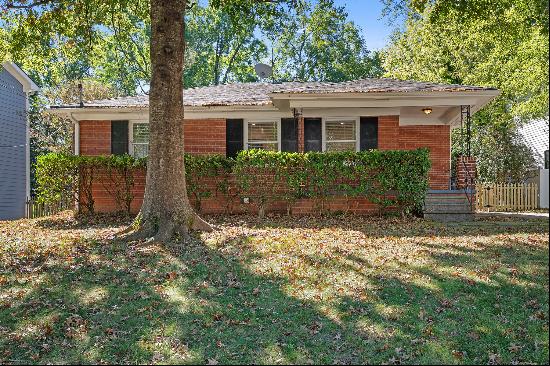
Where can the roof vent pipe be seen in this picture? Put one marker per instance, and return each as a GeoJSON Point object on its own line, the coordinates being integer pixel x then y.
{"type": "Point", "coordinates": [80, 94]}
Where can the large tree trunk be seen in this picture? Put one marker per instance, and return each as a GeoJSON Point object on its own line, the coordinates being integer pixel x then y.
{"type": "Point", "coordinates": [166, 209]}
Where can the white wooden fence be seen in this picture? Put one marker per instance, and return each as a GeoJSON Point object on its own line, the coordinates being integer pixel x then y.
{"type": "Point", "coordinates": [507, 197]}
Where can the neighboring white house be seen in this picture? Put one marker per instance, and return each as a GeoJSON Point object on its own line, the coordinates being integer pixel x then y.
{"type": "Point", "coordinates": [15, 87]}
{"type": "Point", "coordinates": [535, 135]}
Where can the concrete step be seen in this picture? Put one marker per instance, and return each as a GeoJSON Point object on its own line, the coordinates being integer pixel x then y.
{"type": "Point", "coordinates": [449, 217]}
{"type": "Point", "coordinates": [448, 208]}
{"type": "Point", "coordinates": [436, 200]}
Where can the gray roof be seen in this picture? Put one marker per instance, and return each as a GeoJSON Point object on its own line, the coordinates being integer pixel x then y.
{"type": "Point", "coordinates": [248, 94]}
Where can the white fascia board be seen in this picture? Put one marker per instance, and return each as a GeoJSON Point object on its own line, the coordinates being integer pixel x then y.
{"type": "Point", "coordinates": [381, 103]}
{"type": "Point", "coordinates": [142, 113]}
{"type": "Point", "coordinates": [28, 85]}
{"type": "Point", "coordinates": [339, 112]}
{"type": "Point", "coordinates": [384, 95]}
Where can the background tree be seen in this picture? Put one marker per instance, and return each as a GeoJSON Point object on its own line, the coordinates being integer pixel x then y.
{"type": "Point", "coordinates": [503, 44]}
{"type": "Point", "coordinates": [310, 41]}
{"type": "Point", "coordinates": [124, 61]}
{"type": "Point", "coordinates": [222, 48]}
{"type": "Point", "coordinates": [315, 41]}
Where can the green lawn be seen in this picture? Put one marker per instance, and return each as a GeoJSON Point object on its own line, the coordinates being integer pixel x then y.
{"type": "Point", "coordinates": [307, 290]}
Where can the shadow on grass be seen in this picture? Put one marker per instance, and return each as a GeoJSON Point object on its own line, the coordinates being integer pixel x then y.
{"type": "Point", "coordinates": [136, 303]}
{"type": "Point", "coordinates": [390, 226]}
{"type": "Point", "coordinates": [68, 221]}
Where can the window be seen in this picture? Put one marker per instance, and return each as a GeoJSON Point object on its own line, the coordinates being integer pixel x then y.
{"type": "Point", "coordinates": [341, 135]}
{"type": "Point", "coordinates": [263, 135]}
{"type": "Point", "coordinates": [140, 140]}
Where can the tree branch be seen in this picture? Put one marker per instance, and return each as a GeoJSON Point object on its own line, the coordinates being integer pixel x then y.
{"type": "Point", "coordinates": [231, 60]}
{"type": "Point", "coordinates": [12, 5]}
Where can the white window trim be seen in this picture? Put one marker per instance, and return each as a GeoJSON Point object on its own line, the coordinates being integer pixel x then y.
{"type": "Point", "coordinates": [245, 131]}
{"type": "Point", "coordinates": [331, 119]}
{"type": "Point", "coordinates": [131, 135]}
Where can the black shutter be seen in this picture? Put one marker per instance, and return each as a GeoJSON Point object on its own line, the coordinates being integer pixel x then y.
{"type": "Point", "coordinates": [233, 137]}
{"type": "Point", "coordinates": [313, 134]}
{"type": "Point", "coordinates": [369, 133]}
{"type": "Point", "coordinates": [119, 137]}
{"type": "Point", "coordinates": [289, 134]}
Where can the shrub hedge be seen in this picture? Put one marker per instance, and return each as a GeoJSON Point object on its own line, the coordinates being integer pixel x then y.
{"type": "Point", "coordinates": [397, 179]}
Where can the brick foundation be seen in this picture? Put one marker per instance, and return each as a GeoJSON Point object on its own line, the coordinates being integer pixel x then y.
{"type": "Point", "coordinates": [466, 172]}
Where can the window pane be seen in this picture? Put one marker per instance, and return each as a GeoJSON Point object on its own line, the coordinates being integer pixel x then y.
{"type": "Point", "coordinates": [141, 150]}
{"type": "Point", "coordinates": [141, 132]}
{"type": "Point", "coordinates": [262, 131]}
{"type": "Point", "coordinates": [340, 130]}
{"type": "Point", "coordinates": [340, 146]}
{"type": "Point", "coordinates": [264, 146]}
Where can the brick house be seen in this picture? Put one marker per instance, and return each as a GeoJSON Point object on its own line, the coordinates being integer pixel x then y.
{"type": "Point", "coordinates": [357, 115]}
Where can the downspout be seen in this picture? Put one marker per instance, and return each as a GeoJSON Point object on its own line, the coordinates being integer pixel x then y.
{"type": "Point", "coordinates": [76, 125]}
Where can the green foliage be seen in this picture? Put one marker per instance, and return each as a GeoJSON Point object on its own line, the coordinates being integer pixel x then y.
{"type": "Point", "coordinates": [502, 44]}
{"type": "Point", "coordinates": [316, 41]}
{"type": "Point", "coordinates": [61, 175]}
{"type": "Point", "coordinates": [500, 151]}
{"type": "Point", "coordinates": [120, 171]}
{"type": "Point", "coordinates": [388, 178]}
{"type": "Point", "coordinates": [222, 48]}
{"type": "Point", "coordinates": [60, 41]}
{"type": "Point", "coordinates": [199, 168]}
{"type": "Point", "coordinates": [56, 176]}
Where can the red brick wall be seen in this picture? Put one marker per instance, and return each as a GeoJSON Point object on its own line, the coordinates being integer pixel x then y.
{"type": "Point", "coordinates": [437, 138]}
{"type": "Point", "coordinates": [466, 172]}
{"type": "Point", "coordinates": [200, 137]}
{"type": "Point", "coordinates": [208, 137]}
{"type": "Point", "coordinates": [220, 203]}
{"type": "Point", "coordinates": [95, 137]}
{"type": "Point", "coordinates": [204, 136]}
{"type": "Point", "coordinates": [388, 132]}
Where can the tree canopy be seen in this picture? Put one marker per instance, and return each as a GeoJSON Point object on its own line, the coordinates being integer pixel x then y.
{"type": "Point", "coordinates": [503, 44]}
{"type": "Point", "coordinates": [108, 41]}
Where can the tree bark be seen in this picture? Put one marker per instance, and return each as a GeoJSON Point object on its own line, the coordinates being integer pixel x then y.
{"type": "Point", "coordinates": [166, 210]}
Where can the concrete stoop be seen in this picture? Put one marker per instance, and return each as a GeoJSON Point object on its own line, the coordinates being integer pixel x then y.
{"type": "Point", "coordinates": [448, 206]}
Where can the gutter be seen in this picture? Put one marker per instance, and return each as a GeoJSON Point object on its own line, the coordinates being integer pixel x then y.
{"type": "Point", "coordinates": [76, 125]}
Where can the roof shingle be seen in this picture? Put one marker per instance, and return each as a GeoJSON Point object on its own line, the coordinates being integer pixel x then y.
{"type": "Point", "coordinates": [249, 94]}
